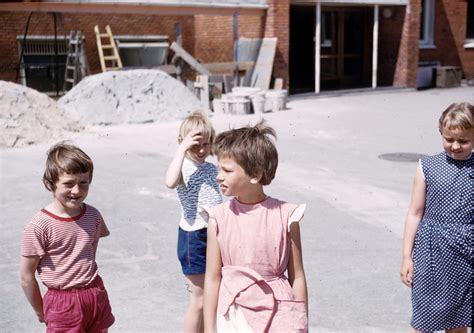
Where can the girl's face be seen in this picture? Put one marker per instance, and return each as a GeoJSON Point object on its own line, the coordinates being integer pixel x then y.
{"type": "Point", "coordinates": [200, 151]}
{"type": "Point", "coordinates": [71, 190]}
{"type": "Point", "coordinates": [458, 143]}
{"type": "Point", "coordinates": [232, 178]}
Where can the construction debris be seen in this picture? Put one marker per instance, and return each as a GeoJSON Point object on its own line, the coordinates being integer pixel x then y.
{"type": "Point", "coordinates": [128, 96]}
{"type": "Point", "coordinates": [29, 117]}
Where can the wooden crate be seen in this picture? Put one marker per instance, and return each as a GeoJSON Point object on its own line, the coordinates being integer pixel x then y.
{"type": "Point", "coordinates": [448, 76]}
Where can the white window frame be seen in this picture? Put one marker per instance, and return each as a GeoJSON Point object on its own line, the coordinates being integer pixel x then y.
{"type": "Point", "coordinates": [428, 22]}
{"type": "Point", "coordinates": [469, 42]}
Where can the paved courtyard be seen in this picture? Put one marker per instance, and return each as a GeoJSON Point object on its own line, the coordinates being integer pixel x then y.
{"type": "Point", "coordinates": [330, 158]}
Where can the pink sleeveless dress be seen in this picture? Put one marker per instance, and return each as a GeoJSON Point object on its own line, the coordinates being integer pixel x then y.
{"type": "Point", "coordinates": [255, 295]}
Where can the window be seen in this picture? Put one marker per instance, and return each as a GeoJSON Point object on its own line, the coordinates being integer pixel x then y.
{"type": "Point", "coordinates": [38, 66]}
{"type": "Point", "coordinates": [427, 24]}
{"type": "Point", "coordinates": [327, 29]}
{"type": "Point", "coordinates": [470, 24]}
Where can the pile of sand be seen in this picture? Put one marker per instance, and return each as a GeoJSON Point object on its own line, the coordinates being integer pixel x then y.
{"type": "Point", "coordinates": [28, 117]}
{"type": "Point", "coordinates": [129, 96]}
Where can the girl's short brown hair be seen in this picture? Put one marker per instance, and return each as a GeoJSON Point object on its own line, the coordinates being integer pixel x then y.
{"type": "Point", "coordinates": [457, 115]}
{"type": "Point", "coordinates": [252, 148]}
{"type": "Point", "coordinates": [65, 157]}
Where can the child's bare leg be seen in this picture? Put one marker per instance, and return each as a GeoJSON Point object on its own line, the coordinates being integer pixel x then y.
{"type": "Point", "coordinates": [457, 330]}
{"type": "Point", "coordinates": [193, 322]}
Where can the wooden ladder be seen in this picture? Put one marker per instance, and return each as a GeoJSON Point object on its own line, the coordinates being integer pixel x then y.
{"type": "Point", "coordinates": [75, 55]}
{"type": "Point", "coordinates": [108, 53]}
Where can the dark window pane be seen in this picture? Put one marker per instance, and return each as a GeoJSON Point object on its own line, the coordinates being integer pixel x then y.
{"type": "Point", "coordinates": [470, 20]}
{"type": "Point", "coordinates": [422, 21]}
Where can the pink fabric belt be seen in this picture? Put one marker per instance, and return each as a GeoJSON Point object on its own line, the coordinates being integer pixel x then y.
{"type": "Point", "coordinates": [251, 292]}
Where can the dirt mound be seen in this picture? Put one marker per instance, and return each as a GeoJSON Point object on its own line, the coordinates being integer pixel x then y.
{"type": "Point", "coordinates": [28, 117]}
{"type": "Point", "coordinates": [129, 96]}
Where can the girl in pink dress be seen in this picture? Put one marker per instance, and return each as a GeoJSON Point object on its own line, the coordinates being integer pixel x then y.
{"type": "Point", "coordinates": [252, 242]}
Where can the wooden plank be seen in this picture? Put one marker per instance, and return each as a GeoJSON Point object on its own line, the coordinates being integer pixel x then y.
{"type": "Point", "coordinates": [168, 69]}
{"type": "Point", "coordinates": [228, 67]}
{"type": "Point", "coordinates": [202, 85]}
{"type": "Point", "coordinates": [248, 51]}
{"type": "Point", "coordinates": [262, 73]}
{"type": "Point", "coordinates": [189, 59]}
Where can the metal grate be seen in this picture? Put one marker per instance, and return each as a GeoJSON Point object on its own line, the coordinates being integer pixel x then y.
{"type": "Point", "coordinates": [42, 45]}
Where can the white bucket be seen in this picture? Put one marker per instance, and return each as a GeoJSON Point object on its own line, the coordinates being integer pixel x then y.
{"type": "Point", "coordinates": [217, 106]}
{"type": "Point", "coordinates": [245, 91]}
{"type": "Point", "coordinates": [235, 104]}
{"type": "Point", "coordinates": [258, 104]}
{"type": "Point", "coordinates": [276, 100]}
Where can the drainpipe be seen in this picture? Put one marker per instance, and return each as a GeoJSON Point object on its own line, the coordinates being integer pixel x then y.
{"type": "Point", "coordinates": [375, 46]}
{"type": "Point", "coordinates": [317, 65]}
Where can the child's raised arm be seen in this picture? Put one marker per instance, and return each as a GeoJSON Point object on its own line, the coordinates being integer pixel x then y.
{"type": "Point", "coordinates": [296, 275]}
{"type": "Point", "coordinates": [30, 286]}
{"type": "Point", "coordinates": [173, 174]}
{"type": "Point", "coordinates": [414, 216]}
{"type": "Point", "coordinates": [213, 279]}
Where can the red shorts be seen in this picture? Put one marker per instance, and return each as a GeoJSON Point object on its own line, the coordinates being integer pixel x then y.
{"type": "Point", "coordinates": [78, 310]}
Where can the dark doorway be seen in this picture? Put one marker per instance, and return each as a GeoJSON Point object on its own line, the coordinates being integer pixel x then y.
{"type": "Point", "coordinates": [346, 48]}
{"type": "Point", "coordinates": [302, 23]}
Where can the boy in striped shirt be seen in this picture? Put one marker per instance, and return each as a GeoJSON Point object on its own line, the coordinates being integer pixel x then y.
{"type": "Point", "coordinates": [61, 243]}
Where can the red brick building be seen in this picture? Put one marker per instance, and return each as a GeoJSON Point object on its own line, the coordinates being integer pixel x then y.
{"type": "Point", "coordinates": [360, 43]}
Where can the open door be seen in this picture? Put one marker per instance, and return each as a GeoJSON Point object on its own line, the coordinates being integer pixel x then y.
{"type": "Point", "coordinates": [346, 48]}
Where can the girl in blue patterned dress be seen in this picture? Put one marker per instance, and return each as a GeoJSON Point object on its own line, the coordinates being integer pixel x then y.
{"type": "Point", "coordinates": [438, 239]}
{"type": "Point", "coordinates": [196, 185]}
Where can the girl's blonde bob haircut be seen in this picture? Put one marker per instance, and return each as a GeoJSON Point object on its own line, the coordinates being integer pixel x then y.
{"type": "Point", "coordinates": [197, 121]}
{"type": "Point", "coordinates": [252, 148]}
{"type": "Point", "coordinates": [457, 116]}
{"type": "Point", "coordinates": [64, 157]}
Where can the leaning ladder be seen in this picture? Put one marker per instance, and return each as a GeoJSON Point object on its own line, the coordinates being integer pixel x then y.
{"type": "Point", "coordinates": [73, 61]}
{"type": "Point", "coordinates": [108, 53]}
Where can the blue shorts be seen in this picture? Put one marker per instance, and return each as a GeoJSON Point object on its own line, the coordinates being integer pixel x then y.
{"type": "Point", "coordinates": [192, 251]}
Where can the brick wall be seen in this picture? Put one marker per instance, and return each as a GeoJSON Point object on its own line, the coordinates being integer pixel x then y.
{"type": "Point", "coordinates": [449, 35]}
{"type": "Point", "coordinates": [407, 60]}
{"type": "Point", "coordinates": [14, 24]}
{"type": "Point", "coordinates": [277, 24]}
{"type": "Point", "coordinates": [214, 35]}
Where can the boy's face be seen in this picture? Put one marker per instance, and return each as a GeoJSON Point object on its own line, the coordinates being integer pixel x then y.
{"type": "Point", "coordinates": [232, 179]}
{"type": "Point", "coordinates": [71, 190]}
{"type": "Point", "coordinates": [458, 143]}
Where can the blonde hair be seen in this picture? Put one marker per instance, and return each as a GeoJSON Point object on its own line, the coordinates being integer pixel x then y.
{"type": "Point", "coordinates": [252, 148]}
{"type": "Point", "coordinates": [457, 116]}
{"type": "Point", "coordinates": [65, 157]}
{"type": "Point", "coordinates": [197, 121]}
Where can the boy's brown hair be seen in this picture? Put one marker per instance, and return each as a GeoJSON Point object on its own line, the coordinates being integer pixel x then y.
{"type": "Point", "coordinates": [252, 148]}
{"type": "Point", "coordinates": [457, 116]}
{"type": "Point", "coordinates": [65, 157]}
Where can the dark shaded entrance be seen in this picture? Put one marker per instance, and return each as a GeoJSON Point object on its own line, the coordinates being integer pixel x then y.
{"type": "Point", "coordinates": [346, 48]}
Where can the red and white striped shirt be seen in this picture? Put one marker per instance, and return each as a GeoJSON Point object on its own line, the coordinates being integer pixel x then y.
{"type": "Point", "coordinates": [65, 247]}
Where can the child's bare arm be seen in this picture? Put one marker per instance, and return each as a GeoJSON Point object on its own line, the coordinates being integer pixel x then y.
{"type": "Point", "coordinates": [30, 286]}
{"type": "Point", "coordinates": [414, 216]}
{"type": "Point", "coordinates": [296, 275]}
{"type": "Point", "coordinates": [173, 173]}
{"type": "Point", "coordinates": [212, 281]}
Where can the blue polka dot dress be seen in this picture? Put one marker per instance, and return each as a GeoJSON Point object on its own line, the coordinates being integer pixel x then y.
{"type": "Point", "coordinates": [443, 253]}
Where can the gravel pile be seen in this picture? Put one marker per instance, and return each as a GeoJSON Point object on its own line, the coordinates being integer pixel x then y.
{"type": "Point", "coordinates": [128, 96]}
{"type": "Point", "coordinates": [28, 117]}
